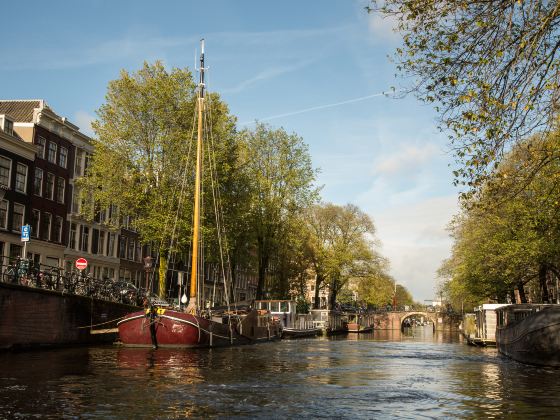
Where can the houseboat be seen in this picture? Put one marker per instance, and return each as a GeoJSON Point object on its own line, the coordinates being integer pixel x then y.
{"type": "Point", "coordinates": [360, 322]}
{"type": "Point", "coordinates": [330, 322]}
{"type": "Point", "coordinates": [293, 325]}
{"type": "Point", "coordinates": [484, 325]}
{"type": "Point", "coordinates": [530, 333]}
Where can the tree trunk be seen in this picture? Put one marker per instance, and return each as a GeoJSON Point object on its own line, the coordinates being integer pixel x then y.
{"type": "Point", "coordinates": [263, 264]}
{"type": "Point", "coordinates": [543, 270]}
{"type": "Point", "coordinates": [232, 283]}
{"type": "Point", "coordinates": [332, 295]}
{"type": "Point", "coordinates": [162, 274]}
{"type": "Point", "coordinates": [317, 300]}
{"type": "Point", "coordinates": [522, 295]}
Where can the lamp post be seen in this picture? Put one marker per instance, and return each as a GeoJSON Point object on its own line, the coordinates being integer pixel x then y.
{"type": "Point", "coordinates": [147, 269]}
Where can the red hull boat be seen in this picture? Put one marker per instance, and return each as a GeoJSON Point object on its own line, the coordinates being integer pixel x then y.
{"type": "Point", "coordinates": [170, 328]}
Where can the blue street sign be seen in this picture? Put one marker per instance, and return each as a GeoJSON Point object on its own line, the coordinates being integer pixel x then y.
{"type": "Point", "coordinates": [25, 233]}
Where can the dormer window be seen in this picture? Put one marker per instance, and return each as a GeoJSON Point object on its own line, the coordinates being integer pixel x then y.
{"type": "Point", "coordinates": [7, 125]}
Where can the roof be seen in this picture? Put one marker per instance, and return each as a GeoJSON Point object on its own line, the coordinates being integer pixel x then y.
{"type": "Point", "coordinates": [20, 110]}
{"type": "Point", "coordinates": [490, 306]}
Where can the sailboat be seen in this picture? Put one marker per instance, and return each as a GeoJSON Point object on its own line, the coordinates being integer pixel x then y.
{"type": "Point", "coordinates": [159, 326]}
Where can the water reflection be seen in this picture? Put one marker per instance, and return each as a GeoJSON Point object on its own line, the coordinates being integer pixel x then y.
{"type": "Point", "coordinates": [416, 373]}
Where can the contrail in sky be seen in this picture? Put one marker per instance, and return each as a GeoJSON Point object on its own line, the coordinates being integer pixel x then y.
{"type": "Point", "coordinates": [315, 108]}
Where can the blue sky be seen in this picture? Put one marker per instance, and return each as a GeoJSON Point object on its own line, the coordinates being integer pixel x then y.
{"type": "Point", "coordinates": [318, 63]}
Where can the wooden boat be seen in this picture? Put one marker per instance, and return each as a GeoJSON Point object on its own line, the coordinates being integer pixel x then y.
{"type": "Point", "coordinates": [293, 325]}
{"type": "Point", "coordinates": [530, 333]}
{"type": "Point", "coordinates": [158, 325]}
{"type": "Point", "coordinates": [359, 323]}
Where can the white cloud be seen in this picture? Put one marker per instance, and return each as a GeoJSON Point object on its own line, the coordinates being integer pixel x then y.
{"type": "Point", "coordinates": [415, 240]}
{"type": "Point", "coordinates": [83, 120]}
{"type": "Point", "coordinates": [382, 28]}
{"type": "Point", "coordinates": [407, 158]}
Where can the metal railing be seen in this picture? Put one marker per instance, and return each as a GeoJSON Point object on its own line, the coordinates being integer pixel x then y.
{"type": "Point", "coordinates": [25, 272]}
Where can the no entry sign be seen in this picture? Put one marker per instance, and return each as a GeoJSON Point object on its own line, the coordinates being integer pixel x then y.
{"type": "Point", "coordinates": [81, 263]}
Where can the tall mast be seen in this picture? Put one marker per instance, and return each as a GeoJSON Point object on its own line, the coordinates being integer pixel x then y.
{"type": "Point", "coordinates": [196, 216]}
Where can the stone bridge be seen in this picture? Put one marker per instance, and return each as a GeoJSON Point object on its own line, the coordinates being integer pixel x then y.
{"type": "Point", "coordinates": [394, 320]}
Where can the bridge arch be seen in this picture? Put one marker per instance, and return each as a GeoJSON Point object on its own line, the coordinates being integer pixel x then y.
{"type": "Point", "coordinates": [429, 315]}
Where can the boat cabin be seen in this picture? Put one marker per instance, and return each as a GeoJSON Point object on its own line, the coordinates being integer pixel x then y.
{"type": "Point", "coordinates": [486, 321]}
{"type": "Point", "coordinates": [329, 321]}
{"type": "Point", "coordinates": [285, 311]}
{"type": "Point", "coordinates": [360, 322]}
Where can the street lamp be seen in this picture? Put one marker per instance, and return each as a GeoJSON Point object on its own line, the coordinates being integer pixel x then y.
{"type": "Point", "coordinates": [148, 267]}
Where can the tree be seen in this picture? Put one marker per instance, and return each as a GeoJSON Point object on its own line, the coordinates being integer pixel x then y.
{"type": "Point", "coordinates": [340, 247]}
{"type": "Point", "coordinates": [376, 289]}
{"type": "Point", "coordinates": [278, 168]}
{"type": "Point", "coordinates": [403, 296]}
{"type": "Point", "coordinates": [491, 67]}
{"type": "Point", "coordinates": [143, 160]}
{"type": "Point", "coordinates": [505, 242]}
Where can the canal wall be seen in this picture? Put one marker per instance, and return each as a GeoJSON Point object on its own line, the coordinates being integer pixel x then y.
{"type": "Point", "coordinates": [31, 317]}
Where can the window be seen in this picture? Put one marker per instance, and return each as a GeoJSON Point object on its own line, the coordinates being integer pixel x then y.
{"type": "Point", "coordinates": [138, 252]}
{"type": "Point", "coordinates": [101, 249]}
{"type": "Point", "coordinates": [100, 216]}
{"type": "Point", "coordinates": [46, 219]}
{"type": "Point", "coordinates": [63, 157]}
{"type": "Point", "coordinates": [5, 168]}
{"type": "Point", "coordinates": [17, 217]}
{"type": "Point", "coordinates": [50, 186]}
{"type": "Point", "coordinates": [38, 182]}
{"type": "Point", "coordinates": [130, 250]}
{"type": "Point", "coordinates": [57, 229]}
{"type": "Point", "coordinates": [72, 236]}
{"type": "Point", "coordinates": [60, 185]}
{"type": "Point", "coordinates": [15, 251]}
{"type": "Point", "coordinates": [35, 218]}
{"type": "Point", "coordinates": [8, 126]}
{"type": "Point", "coordinates": [51, 261]}
{"type": "Point", "coordinates": [79, 158]}
{"type": "Point", "coordinates": [95, 241]}
{"type": "Point", "coordinates": [111, 245]}
{"type": "Point", "coordinates": [87, 162]}
{"type": "Point", "coordinates": [84, 238]}
{"type": "Point", "coordinates": [21, 178]}
{"type": "Point", "coordinates": [122, 247]}
{"type": "Point", "coordinates": [52, 152]}
{"type": "Point", "coordinates": [41, 142]}
{"type": "Point", "coordinates": [3, 214]}
{"type": "Point", "coordinates": [76, 200]}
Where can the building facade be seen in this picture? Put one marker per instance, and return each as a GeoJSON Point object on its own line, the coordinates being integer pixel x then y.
{"type": "Point", "coordinates": [16, 172]}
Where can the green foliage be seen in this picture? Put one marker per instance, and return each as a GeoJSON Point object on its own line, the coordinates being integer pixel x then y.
{"type": "Point", "coordinates": [143, 158]}
{"type": "Point", "coordinates": [490, 68]}
{"type": "Point", "coordinates": [340, 246]}
{"type": "Point", "coordinates": [280, 176]}
{"type": "Point", "coordinates": [507, 236]}
{"type": "Point", "coordinates": [377, 289]}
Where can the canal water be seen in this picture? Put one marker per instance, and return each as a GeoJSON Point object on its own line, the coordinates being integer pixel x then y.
{"type": "Point", "coordinates": [385, 374]}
